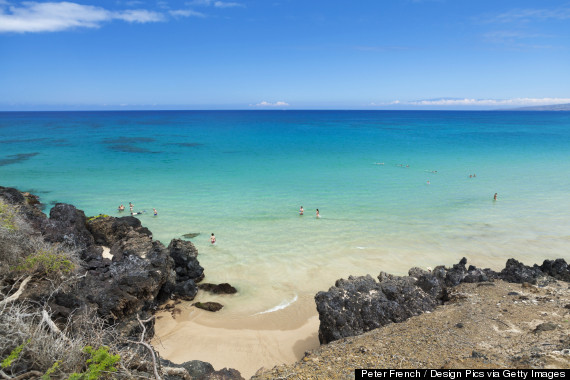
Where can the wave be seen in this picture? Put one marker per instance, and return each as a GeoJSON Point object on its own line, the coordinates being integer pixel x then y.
{"type": "Point", "coordinates": [282, 305]}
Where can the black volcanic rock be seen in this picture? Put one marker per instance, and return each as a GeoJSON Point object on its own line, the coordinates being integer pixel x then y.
{"type": "Point", "coordinates": [199, 370]}
{"type": "Point", "coordinates": [108, 230]}
{"type": "Point", "coordinates": [185, 257]}
{"type": "Point", "coordinates": [186, 290]}
{"type": "Point", "coordinates": [558, 269]}
{"type": "Point", "coordinates": [209, 306]}
{"type": "Point", "coordinates": [517, 272]}
{"type": "Point", "coordinates": [223, 288]}
{"type": "Point", "coordinates": [361, 304]}
{"type": "Point", "coordinates": [67, 225]}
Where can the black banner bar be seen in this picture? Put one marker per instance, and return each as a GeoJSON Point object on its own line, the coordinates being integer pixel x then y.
{"type": "Point", "coordinates": [452, 374]}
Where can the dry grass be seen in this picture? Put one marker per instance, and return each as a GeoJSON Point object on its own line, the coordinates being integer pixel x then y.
{"type": "Point", "coordinates": [23, 253]}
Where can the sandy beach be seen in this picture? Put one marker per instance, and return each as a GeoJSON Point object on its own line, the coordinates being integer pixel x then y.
{"type": "Point", "coordinates": [245, 343]}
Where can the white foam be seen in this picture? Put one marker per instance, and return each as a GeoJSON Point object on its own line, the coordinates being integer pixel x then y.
{"type": "Point", "coordinates": [281, 306]}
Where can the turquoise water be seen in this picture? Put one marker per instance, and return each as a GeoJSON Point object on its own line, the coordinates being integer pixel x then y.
{"type": "Point", "coordinates": [243, 175]}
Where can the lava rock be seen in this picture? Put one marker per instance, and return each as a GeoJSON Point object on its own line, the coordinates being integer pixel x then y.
{"type": "Point", "coordinates": [517, 272]}
{"type": "Point", "coordinates": [209, 306]}
{"type": "Point", "coordinates": [223, 288]}
{"type": "Point", "coordinates": [558, 269]}
{"type": "Point", "coordinates": [185, 256]}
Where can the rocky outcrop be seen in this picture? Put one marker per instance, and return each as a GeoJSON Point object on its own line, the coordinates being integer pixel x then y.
{"type": "Point", "coordinates": [197, 370]}
{"type": "Point", "coordinates": [517, 272]}
{"type": "Point", "coordinates": [185, 257]}
{"type": "Point", "coordinates": [558, 269]}
{"type": "Point", "coordinates": [361, 304]}
{"type": "Point", "coordinates": [141, 274]}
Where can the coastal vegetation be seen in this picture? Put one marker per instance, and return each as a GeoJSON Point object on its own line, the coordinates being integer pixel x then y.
{"type": "Point", "coordinates": [30, 341]}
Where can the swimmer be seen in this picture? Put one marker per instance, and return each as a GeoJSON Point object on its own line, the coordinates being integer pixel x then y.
{"type": "Point", "coordinates": [301, 211]}
{"type": "Point", "coordinates": [155, 212]}
{"type": "Point", "coordinates": [213, 239]}
{"type": "Point", "coordinates": [121, 208]}
{"type": "Point", "coordinates": [378, 163]}
{"type": "Point", "coordinates": [428, 182]}
{"type": "Point", "coordinates": [495, 197]}
{"type": "Point", "coordinates": [318, 215]}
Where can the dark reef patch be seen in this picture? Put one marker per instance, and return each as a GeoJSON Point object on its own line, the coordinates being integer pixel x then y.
{"type": "Point", "coordinates": [16, 158]}
{"type": "Point", "coordinates": [128, 140]}
{"type": "Point", "coordinates": [130, 149]}
{"type": "Point", "coordinates": [187, 144]}
{"type": "Point", "coordinates": [16, 141]}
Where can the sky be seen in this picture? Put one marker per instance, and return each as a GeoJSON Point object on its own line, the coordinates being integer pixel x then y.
{"type": "Point", "coordinates": [283, 54]}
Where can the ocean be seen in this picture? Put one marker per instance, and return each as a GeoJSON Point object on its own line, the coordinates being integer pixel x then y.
{"type": "Point", "coordinates": [395, 189]}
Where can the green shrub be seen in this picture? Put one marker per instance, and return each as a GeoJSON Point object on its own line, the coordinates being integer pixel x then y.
{"type": "Point", "coordinates": [101, 361]}
{"type": "Point", "coordinates": [51, 371]}
{"type": "Point", "coordinates": [15, 354]}
{"type": "Point", "coordinates": [46, 262]}
{"type": "Point", "coordinates": [97, 217]}
{"type": "Point", "coordinates": [7, 216]}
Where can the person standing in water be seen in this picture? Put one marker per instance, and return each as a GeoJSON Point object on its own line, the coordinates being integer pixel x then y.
{"type": "Point", "coordinates": [495, 197]}
{"type": "Point", "coordinates": [301, 211]}
{"type": "Point", "coordinates": [318, 215]}
{"type": "Point", "coordinates": [155, 212]}
{"type": "Point", "coordinates": [213, 239]}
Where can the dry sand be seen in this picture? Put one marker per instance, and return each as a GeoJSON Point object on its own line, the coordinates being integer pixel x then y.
{"type": "Point", "coordinates": [245, 343]}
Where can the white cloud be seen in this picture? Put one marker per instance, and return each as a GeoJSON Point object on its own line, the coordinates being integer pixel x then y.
{"type": "Point", "coordinates": [221, 4]}
{"type": "Point", "coordinates": [527, 15]}
{"type": "Point", "coordinates": [268, 104]}
{"type": "Point", "coordinates": [186, 13]}
{"type": "Point", "coordinates": [519, 102]}
{"type": "Point", "coordinates": [52, 17]}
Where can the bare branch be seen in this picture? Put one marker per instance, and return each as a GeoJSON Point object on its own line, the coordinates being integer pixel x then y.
{"type": "Point", "coordinates": [148, 346]}
{"type": "Point", "coordinates": [46, 318]}
{"type": "Point", "coordinates": [16, 295]}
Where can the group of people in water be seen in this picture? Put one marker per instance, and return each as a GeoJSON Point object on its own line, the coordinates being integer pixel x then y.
{"type": "Point", "coordinates": [133, 213]}
{"type": "Point", "coordinates": [302, 211]}
{"type": "Point", "coordinates": [213, 237]}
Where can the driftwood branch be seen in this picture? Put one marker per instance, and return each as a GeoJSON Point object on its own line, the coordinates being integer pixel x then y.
{"type": "Point", "coordinates": [148, 346]}
{"type": "Point", "coordinates": [28, 374]}
{"type": "Point", "coordinates": [53, 327]}
{"type": "Point", "coordinates": [16, 295]}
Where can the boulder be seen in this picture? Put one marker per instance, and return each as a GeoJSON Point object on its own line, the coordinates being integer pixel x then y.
{"type": "Point", "coordinates": [361, 304]}
{"type": "Point", "coordinates": [108, 230]}
{"type": "Point", "coordinates": [558, 269]}
{"type": "Point", "coordinates": [517, 272]}
{"type": "Point", "coordinates": [186, 290]}
{"type": "Point", "coordinates": [223, 288]}
{"type": "Point", "coordinates": [67, 225]}
{"type": "Point", "coordinates": [208, 306]}
{"type": "Point", "coordinates": [186, 265]}
{"type": "Point", "coordinates": [198, 370]}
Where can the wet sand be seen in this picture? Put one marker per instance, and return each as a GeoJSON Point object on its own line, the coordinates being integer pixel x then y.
{"type": "Point", "coordinates": [245, 343]}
